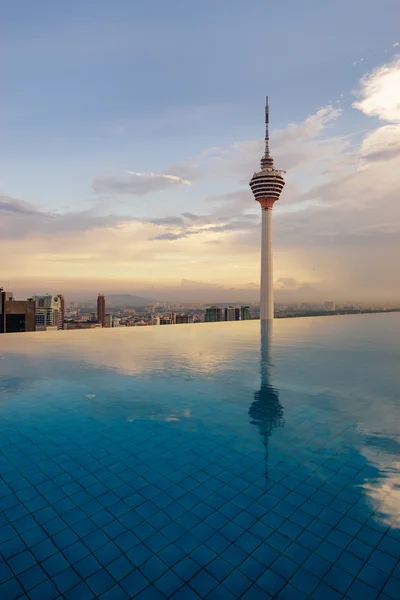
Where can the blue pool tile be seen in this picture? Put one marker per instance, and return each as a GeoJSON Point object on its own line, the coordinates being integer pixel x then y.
{"type": "Point", "coordinates": [339, 579]}
{"type": "Point", "coordinates": [97, 539]}
{"type": "Point", "coordinates": [252, 568]}
{"type": "Point", "coordinates": [271, 582]}
{"type": "Point", "coordinates": [383, 561]}
{"type": "Point", "coordinates": [237, 583]}
{"type": "Point", "coordinates": [75, 552]}
{"type": "Point", "coordinates": [44, 549]}
{"type": "Point", "coordinates": [304, 581]}
{"type": "Point", "coordinates": [46, 590]}
{"type": "Point", "coordinates": [120, 568]}
{"type": "Point", "coordinates": [359, 589]}
{"type": "Point", "coordinates": [11, 590]}
{"type": "Point", "coordinates": [22, 561]}
{"type": "Point", "coordinates": [32, 577]}
{"type": "Point", "coordinates": [203, 583]}
{"type": "Point", "coordinates": [325, 592]}
{"type": "Point", "coordinates": [153, 568]}
{"type": "Point", "coordinates": [329, 551]}
{"type": "Point", "coordinates": [150, 593]}
{"type": "Point", "coordinates": [285, 567]}
{"type": "Point", "coordinates": [389, 545]}
{"type": "Point", "coordinates": [291, 593]}
{"type": "Point", "coordinates": [157, 542]}
{"type": "Point", "coordinates": [81, 591]}
{"type": "Point", "coordinates": [169, 583]}
{"type": "Point", "coordinates": [391, 588]}
{"type": "Point", "coordinates": [255, 592]}
{"type": "Point", "coordinates": [87, 566]}
{"type": "Point", "coordinates": [5, 572]}
{"type": "Point", "coordinates": [139, 554]}
{"type": "Point", "coordinates": [7, 532]}
{"type": "Point", "coordinates": [373, 576]}
{"type": "Point", "coordinates": [66, 580]}
{"type": "Point", "coordinates": [134, 583]}
{"type": "Point", "coordinates": [100, 582]}
{"type": "Point", "coordinates": [115, 593]}
{"type": "Point", "coordinates": [203, 555]}
{"type": "Point", "coordinates": [187, 568]}
{"type": "Point", "coordinates": [184, 593]}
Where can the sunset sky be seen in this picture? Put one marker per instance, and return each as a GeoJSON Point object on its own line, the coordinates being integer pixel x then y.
{"type": "Point", "coordinates": [130, 131]}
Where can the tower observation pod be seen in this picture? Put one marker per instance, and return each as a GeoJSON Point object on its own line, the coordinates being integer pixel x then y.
{"type": "Point", "coordinates": [267, 186]}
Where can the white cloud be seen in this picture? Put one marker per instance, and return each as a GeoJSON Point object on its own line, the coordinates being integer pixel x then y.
{"type": "Point", "coordinates": [172, 178]}
{"type": "Point", "coordinates": [380, 92]}
{"type": "Point", "coordinates": [136, 184]}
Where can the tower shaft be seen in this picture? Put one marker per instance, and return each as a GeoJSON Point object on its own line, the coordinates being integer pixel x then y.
{"type": "Point", "coordinates": [267, 289]}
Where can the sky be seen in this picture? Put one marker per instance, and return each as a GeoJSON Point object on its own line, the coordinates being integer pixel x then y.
{"type": "Point", "coordinates": [130, 131]}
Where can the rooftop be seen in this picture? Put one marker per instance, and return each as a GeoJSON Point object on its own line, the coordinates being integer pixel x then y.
{"type": "Point", "coordinates": [202, 461]}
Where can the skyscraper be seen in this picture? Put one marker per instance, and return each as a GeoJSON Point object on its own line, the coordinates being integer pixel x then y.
{"type": "Point", "coordinates": [16, 315]}
{"type": "Point", "coordinates": [101, 310]}
{"type": "Point", "coordinates": [267, 186]}
{"type": "Point", "coordinates": [245, 314]}
{"type": "Point", "coordinates": [48, 312]}
{"type": "Point", "coordinates": [230, 313]}
{"type": "Point", "coordinates": [62, 302]}
{"type": "Point", "coordinates": [213, 314]}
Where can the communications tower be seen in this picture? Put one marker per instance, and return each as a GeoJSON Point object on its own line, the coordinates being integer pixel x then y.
{"type": "Point", "coordinates": [267, 186]}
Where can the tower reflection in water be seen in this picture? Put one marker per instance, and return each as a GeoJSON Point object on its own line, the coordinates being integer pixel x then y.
{"type": "Point", "coordinates": [266, 412]}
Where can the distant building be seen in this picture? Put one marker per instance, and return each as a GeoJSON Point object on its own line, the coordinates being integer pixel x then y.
{"type": "Point", "coordinates": [214, 314]}
{"type": "Point", "coordinates": [116, 322]}
{"type": "Point", "coordinates": [230, 313]}
{"type": "Point", "coordinates": [155, 320]}
{"type": "Point", "coordinates": [184, 319]}
{"type": "Point", "coordinates": [237, 314]}
{"type": "Point", "coordinates": [81, 325]}
{"type": "Point", "coordinates": [62, 303]}
{"type": "Point", "coordinates": [245, 313]}
{"type": "Point", "coordinates": [101, 310]}
{"type": "Point", "coordinates": [16, 315]}
{"type": "Point", "coordinates": [173, 318]}
{"type": "Point", "coordinates": [165, 321]}
{"type": "Point", "coordinates": [48, 312]}
{"type": "Point", "coordinates": [329, 306]}
{"type": "Point", "coordinates": [109, 320]}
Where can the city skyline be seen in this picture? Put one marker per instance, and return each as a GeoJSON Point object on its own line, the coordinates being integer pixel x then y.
{"type": "Point", "coordinates": [125, 164]}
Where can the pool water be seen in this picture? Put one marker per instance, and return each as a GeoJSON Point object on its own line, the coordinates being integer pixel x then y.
{"type": "Point", "coordinates": [219, 460]}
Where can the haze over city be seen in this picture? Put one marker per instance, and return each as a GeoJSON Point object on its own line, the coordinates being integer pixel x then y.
{"type": "Point", "coordinates": [130, 133]}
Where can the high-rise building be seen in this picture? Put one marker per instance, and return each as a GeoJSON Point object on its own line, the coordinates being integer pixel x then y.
{"type": "Point", "coordinates": [214, 314]}
{"type": "Point", "coordinates": [237, 314]}
{"type": "Point", "coordinates": [16, 315]}
{"type": "Point", "coordinates": [48, 312]}
{"type": "Point", "coordinates": [184, 319]}
{"type": "Point", "coordinates": [62, 302]}
{"type": "Point", "coordinates": [173, 318]}
{"type": "Point", "coordinates": [109, 320]}
{"type": "Point", "coordinates": [155, 320]}
{"type": "Point", "coordinates": [267, 186]}
{"type": "Point", "coordinates": [101, 310]}
{"type": "Point", "coordinates": [165, 321]}
{"type": "Point", "coordinates": [230, 313]}
{"type": "Point", "coordinates": [245, 313]}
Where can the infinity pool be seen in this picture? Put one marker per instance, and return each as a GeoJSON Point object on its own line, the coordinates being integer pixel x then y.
{"type": "Point", "coordinates": [202, 461]}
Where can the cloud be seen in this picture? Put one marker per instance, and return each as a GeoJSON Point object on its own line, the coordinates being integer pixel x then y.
{"type": "Point", "coordinates": [171, 178]}
{"type": "Point", "coordinates": [396, 44]}
{"type": "Point", "coordinates": [380, 92]}
{"type": "Point", "coordinates": [136, 184]}
{"type": "Point", "coordinates": [16, 207]}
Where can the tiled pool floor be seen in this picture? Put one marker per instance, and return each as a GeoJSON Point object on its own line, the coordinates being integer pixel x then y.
{"type": "Point", "coordinates": [183, 463]}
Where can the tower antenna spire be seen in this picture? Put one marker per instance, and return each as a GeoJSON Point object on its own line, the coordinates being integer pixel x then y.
{"type": "Point", "coordinates": [266, 127]}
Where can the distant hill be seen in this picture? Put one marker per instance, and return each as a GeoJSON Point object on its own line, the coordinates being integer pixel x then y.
{"type": "Point", "coordinates": [122, 300]}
